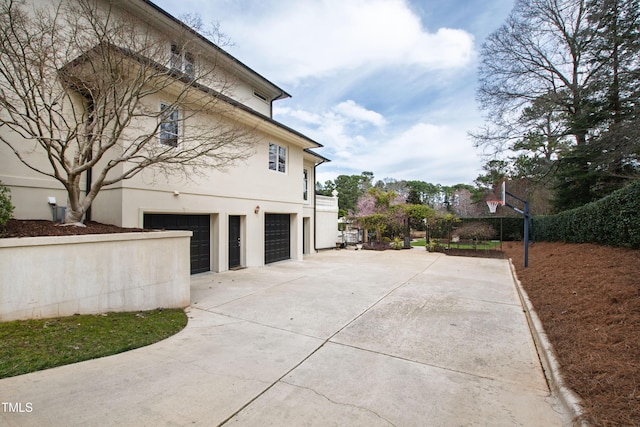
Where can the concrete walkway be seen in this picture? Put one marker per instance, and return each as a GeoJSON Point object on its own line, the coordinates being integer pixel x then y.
{"type": "Point", "coordinates": [344, 338]}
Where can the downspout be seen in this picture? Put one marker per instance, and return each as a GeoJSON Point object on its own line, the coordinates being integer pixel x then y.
{"type": "Point", "coordinates": [88, 182]}
{"type": "Point", "coordinates": [281, 96]}
{"type": "Point", "coordinates": [88, 178]}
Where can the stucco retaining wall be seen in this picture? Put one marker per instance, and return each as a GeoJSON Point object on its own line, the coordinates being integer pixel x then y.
{"type": "Point", "coordinates": [60, 276]}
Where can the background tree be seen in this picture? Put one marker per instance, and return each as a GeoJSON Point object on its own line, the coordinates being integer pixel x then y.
{"type": "Point", "coordinates": [325, 189]}
{"type": "Point", "coordinates": [349, 187]}
{"type": "Point", "coordinates": [382, 211]}
{"type": "Point", "coordinates": [495, 172]}
{"type": "Point", "coordinates": [417, 214]}
{"type": "Point", "coordinates": [80, 83]}
{"type": "Point", "coordinates": [391, 184]}
{"type": "Point", "coordinates": [428, 194]}
{"type": "Point", "coordinates": [540, 53]}
{"type": "Point", "coordinates": [611, 156]}
{"type": "Point", "coordinates": [465, 204]}
{"type": "Point", "coordinates": [559, 83]}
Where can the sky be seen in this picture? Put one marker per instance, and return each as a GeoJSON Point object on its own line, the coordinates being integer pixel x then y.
{"type": "Point", "coordinates": [386, 86]}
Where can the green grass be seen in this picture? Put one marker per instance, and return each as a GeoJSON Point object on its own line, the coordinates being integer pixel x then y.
{"type": "Point", "coordinates": [33, 345]}
{"type": "Point", "coordinates": [481, 246]}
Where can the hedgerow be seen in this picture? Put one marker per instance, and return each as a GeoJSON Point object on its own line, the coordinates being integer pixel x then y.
{"type": "Point", "coordinates": [613, 220]}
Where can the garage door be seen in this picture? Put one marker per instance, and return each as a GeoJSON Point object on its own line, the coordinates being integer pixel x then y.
{"type": "Point", "coordinates": [277, 239]}
{"type": "Point", "coordinates": [200, 241]}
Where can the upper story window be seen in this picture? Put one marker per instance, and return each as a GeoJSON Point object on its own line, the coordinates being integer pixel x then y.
{"type": "Point", "coordinates": [169, 125]}
{"type": "Point", "coordinates": [277, 158]}
{"type": "Point", "coordinates": [181, 60]}
{"type": "Point", "coordinates": [305, 184]}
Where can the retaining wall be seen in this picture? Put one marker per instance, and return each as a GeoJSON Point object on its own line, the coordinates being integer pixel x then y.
{"type": "Point", "coordinates": [65, 275]}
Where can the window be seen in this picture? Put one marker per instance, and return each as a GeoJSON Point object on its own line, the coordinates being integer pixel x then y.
{"type": "Point", "coordinates": [182, 61]}
{"type": "Point", "coordinates": [176, 57]}
{"type": "Point", "coordinates": [189, 64]}
{"type": "Point", "coordinates": [260, 96]}
{"type": "Point", "coordinates": [169, 120]}
{"type": "Point", "coordinates": [277, 158]}
{"type": "Point", "coordinates": [305, 184]}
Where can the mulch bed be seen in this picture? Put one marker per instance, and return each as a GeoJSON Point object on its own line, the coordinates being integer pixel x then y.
{"type": "Point", "coordinates": [477, 253]}
{"type": "Point", "coordinates": [35, 228]}
{"type": "Point", "coordinates": [588, 299]}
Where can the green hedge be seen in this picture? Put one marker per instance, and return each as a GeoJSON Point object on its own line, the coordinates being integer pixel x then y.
{"type": "Point", "coordinates": [613, 220]}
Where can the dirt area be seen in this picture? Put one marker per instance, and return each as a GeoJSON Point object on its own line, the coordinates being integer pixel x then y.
{"type": "Point", "coordinates": [588, 299]}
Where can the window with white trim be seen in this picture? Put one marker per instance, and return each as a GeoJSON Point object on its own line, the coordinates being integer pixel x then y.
{"type": "Point", "coordinates": [305, 184]}
{"type": "Point", "coordinates": [181, 60]}
{"type": "Point", "coordinates": [169, 125]}
{"type": "Point", "coordinates": [277, 158]}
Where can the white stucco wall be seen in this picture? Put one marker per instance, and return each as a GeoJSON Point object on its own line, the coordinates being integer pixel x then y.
{"type": "Point", "coordinates": [60, 276]}
{"type": "Point", "coordinates": [326, 221]}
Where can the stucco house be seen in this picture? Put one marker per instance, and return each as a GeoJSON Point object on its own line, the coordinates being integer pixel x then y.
{"type": "Point", "coordinates": [258, 211]}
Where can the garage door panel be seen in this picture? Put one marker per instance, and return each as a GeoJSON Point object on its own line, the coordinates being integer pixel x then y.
{"type": "Point", "coordinates": [199, 225]}
{"type": "Point", "coordinates": [277, 238]}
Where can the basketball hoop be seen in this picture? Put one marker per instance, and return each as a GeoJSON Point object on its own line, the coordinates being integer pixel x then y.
{"type": "Point", "coordinates": [493, 204]}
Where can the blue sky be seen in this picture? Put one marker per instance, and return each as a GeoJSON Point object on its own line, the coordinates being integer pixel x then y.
{"type": "Point", "coordinates": [387, 86]}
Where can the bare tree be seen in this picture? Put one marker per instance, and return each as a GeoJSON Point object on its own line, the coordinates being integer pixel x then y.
{"type": "Point", "coordinates": [540, 53]}
{"type": "Point", "coordinates": [559, 84]}
{"type": "Point", "coordinates": [100, 92]}
{"type": "Point", "coordinates": [465, 207]}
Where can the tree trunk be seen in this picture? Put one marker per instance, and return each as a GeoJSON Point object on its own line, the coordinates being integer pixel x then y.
{"type": "Point", "coordinates": [73, 217]}
{"type": "Point", "coordinates": [75, 209]}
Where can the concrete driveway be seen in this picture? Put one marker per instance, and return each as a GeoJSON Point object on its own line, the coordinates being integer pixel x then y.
{"type": "Point", "coordinates": [344, 338]}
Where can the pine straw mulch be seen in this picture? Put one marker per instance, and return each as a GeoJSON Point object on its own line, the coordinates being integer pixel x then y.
{"type": "Point", "coordinates": [588, 299]}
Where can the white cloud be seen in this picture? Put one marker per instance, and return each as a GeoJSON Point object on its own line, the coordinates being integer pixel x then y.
{"type": "Point", "coordinates": [354, 141]}
{"type": "Point", "coordinates": [428, 152]}
{"type": "Point", "coordinates": [344, 126]}
{"type": "Point", "coordinates": [350, 110]}
{"type": "Point", "coordinates": [301, 115]}
{"type": "Point", "coordinates": [320, 38]}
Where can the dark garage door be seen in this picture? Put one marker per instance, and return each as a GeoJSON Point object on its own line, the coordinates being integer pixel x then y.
{"type": "Point", "coordinates": [200, 241]}
{"type": "Point", "coordinates": [277, 239]}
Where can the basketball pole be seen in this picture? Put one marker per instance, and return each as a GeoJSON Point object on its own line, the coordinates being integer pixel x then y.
{"type": "Point", "coordinates": [526, 215]}
{"type": "Point", "coordinates": [492, 208]}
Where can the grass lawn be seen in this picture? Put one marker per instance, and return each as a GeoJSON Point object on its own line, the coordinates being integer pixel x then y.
{"type": "Point", "coordinates": [481, 246]}
{"type": "Point", "coordinates": [33, 345]}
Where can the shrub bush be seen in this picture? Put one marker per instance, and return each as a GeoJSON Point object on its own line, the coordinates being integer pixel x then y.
{"type": "Point", "coordinates": [6, 208]}
{"type": "Point", "coordinates": [475, 231]}
{"type": "Point", "coordinates": [512, 226]}
{"type": "Point", "coordinates": [613, 220]}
